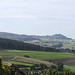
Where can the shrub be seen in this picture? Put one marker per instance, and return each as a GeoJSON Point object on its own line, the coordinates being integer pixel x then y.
{"type": "Point", "coordinates": [26, 56]}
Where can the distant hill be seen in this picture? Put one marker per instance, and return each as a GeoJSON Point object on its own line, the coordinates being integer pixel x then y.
{"type": "Point", "coordinates": [60, 36]}
{"type": "Point", "coordinates": [17, 36]}
{"type": "Point", "coordinates": [45, 41]}
{"type": "Point", "coordinates": [30, 37]}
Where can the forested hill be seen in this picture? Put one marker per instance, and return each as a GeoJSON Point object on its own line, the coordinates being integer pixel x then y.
{"type": "Point", "coordinates": [13, 44]}
{"type": "Point", "coordinates": [17, 36]}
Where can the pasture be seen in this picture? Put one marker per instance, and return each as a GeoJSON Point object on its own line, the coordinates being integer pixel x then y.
{"type": "Point", "coordinates": [20, 63]}
{"type": "Point", "coordinates": [39, 54]}
{"type": "Point", "coordinates": [72, 67]}
{"type": "Point", "coordinates": [66, 58]}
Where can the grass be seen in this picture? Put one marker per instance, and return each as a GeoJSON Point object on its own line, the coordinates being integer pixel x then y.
{"type": "Point", "coordinates": [31, 60]}
{"type": "Point", "coordinates": [15, 62]}
{"type": "Point", "coordinates": [21, 66]}
{"type": "Point", "coordinates": [40, 55]}
{"type": "Point", "coordinates": [72, 68]}
{"type": "Point", "coordinates": [37, 55]}
{"type": "Point", "coordinates": [18, 57]}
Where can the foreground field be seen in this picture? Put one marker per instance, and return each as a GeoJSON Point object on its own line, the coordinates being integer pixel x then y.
{"type": "Point", "coordinates": [20, 63]}
{"type": "Point", "coordinates": [66, 61]}
{"type": "Point", "coordinates": [72, 67]}
{"type": "Point", "coordinates": [66, 58]}
{"type": "Point", "coordinates": [39, 54]}
{"type": "Point", "coordinates": [31, 60]}
{"type": "Point", "coordinates": [16, 55]}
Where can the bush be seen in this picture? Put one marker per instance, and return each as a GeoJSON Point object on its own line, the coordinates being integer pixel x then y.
{"type": "Point", "coordinates": [59, 66]}
{"type": "Point", "coordinates": [0, 65]}
{"type": "Point", "coordinates": [53, 67]}
{"type": "Point", "coordinates": [26, 56]}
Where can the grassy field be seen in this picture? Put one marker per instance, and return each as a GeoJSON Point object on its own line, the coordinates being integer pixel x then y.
{"type": "Point", "coordinates": [72, 68]}
{"type": "Point", "coordinates": [21, 66]}
{"type": "Point", "coordinates": [10, 54]}
{"type": "Point", "coordinates": [31, 60]}
{"type": "Point", "coordinates": [40, 55]}
{"type": "Point", "coordinates": [14, 56]}
{"type": "Point", "coordinates": [20, 63]}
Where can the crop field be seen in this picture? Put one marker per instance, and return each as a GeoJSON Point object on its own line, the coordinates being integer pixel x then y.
{"type": "Point", "coordinates": [6, 56]}
{"type": "Point", "coordinates": [66, 58]}
{"type": "Point", "coordinates": [31, 60]}
{"type": "Point", "coordinates": [16, 57]}
{"type": "Point", "coordinates": [20, 63]}
{"type": "Point", "coordinates": [40, 55]}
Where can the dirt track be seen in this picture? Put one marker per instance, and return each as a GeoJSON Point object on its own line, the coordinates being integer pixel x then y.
{"type": "Point", "coordinates": [66, 61]}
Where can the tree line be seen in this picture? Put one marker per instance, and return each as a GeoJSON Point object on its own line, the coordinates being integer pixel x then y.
{"type": "Point", "coordinates": [18, 45]}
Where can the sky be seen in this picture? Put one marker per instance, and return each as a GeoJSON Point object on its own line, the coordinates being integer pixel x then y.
{"type": "Point", "coordinates": [38, 17]}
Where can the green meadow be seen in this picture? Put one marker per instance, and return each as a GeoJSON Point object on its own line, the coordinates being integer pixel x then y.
{"type": "Point", "coordinates": [9, 54]}
{"type": "Point", "coordinates": [20, 63]}
{"type": "Point", "coordinates": [39, 54]}
{"type": "Point", "coordinates": [72, 68]}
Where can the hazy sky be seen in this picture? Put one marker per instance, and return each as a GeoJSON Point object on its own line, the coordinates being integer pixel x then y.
{"type": "Point", "coordinates": [38, 17]}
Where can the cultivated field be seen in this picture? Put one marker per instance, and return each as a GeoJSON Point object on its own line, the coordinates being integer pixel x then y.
{"type": "Point", "coordinates": [66, 61]}
{"type": "Point", "coordinates": [31, 60]}
{"type": "Point", "coordinates": [18, 57]}
{"type": "Point", "coordinates": [40, 55]}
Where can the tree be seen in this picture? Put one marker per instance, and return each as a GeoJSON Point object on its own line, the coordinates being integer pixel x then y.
{"type": "Point", "coordinates": [6, 70]}
{"type": "Point", "coordinates": [0, 65]}
{"type": "Point", "coordinates": [53, 67]}
{"type": "Point", "coordinates": [59, 66]}
{"type": "Point", "coordinates": [26, 56]}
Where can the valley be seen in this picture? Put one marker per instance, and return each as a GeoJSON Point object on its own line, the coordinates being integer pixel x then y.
{"type": "Point", "coordinates": [17, 57]}
{"type": "Point", "coordinates": [46, 41]}
{"type": "Point", "coordinates": [36, 54]}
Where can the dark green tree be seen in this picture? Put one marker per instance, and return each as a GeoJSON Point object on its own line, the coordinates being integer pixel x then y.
{"type": "Point", "coordinates": [0, 65]}
{"type": "Point", "coordinates": [59, 66]}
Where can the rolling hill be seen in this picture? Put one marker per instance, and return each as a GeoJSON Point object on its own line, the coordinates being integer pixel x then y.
{"type": "Point", "coordinates": [17, 36]}
{"type": "Point", "coordinates": [30, 37]}
{"type": "Point", "coordinates": [18, 45]}
{"type": "Point", "coordinates": [46, 41]}
{"type": "Point", "coordinates": [60, 36]}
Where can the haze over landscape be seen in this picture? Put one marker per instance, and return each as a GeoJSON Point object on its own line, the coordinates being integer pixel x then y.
{"type": "Point", "coordinates": [38, 17]}
{"type": "Point", "coordinates": [37, 37]}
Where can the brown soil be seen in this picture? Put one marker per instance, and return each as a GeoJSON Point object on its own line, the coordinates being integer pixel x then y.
{"type": "Point", "coordinates": [66, 61]}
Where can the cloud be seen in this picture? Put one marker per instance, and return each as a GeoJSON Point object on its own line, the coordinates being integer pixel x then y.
{"type": "Point", "coordinates": [32, 17]}
{"type": "Point", "coordinates": [45, 9]}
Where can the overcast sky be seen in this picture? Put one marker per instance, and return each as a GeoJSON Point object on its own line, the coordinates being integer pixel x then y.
{"type": "Point", "coordinates": [38, 17]}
